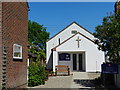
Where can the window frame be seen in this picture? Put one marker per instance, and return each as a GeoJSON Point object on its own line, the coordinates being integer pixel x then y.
{"type": "Point", "coordinates": [74, 31]}
{"type": "Point", "coordinates": [14, 51]}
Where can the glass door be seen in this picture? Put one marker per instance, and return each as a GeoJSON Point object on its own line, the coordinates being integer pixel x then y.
{"type": "Point", "coordinates": [80, 61]}
{"type": "Point", "coordinates": [74, 62]}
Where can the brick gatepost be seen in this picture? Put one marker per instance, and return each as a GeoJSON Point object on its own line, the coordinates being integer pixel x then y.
{"type": "Point", "coordinates": [0, 44]}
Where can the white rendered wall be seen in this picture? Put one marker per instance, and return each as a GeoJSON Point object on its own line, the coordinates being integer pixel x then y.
{"type": "Point", "coordinates": [55, 59]}
{"type": "Point", "coordinates": [65, 34]}
{"type": "Point", "coordinates": [94, 58]}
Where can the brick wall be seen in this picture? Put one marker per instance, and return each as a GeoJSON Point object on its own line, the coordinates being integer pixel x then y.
{"type": "Point", "coordinates": [0, 44]}
{"type": "Point", "coordinates": [15, 31]}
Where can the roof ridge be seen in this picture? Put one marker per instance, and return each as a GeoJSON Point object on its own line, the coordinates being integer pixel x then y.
{"type": "Point", "coordinates": [67, 27]}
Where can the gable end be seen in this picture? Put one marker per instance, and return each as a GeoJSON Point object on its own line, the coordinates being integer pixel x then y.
{"type": "Point", "coordinates": [54, 49]}
{"type": "Point", "coordinates": [67, 27]}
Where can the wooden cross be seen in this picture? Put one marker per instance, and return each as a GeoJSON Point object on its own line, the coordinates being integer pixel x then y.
{"type": "Point", "coordinates": [78, 39]}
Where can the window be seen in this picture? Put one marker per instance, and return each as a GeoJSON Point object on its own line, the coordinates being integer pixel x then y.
{"type": "Point", "coordinates": [17, 51]}
{"type": "Point", "coordinates": [74, 32]}
{"type": "Point", "coordinates": [64, 57]}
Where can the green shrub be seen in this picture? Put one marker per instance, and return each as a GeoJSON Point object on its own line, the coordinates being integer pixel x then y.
{"type": "Point", "coordinates": [37, 74]}
{"type": "Point", "coordinates": [51, 72]}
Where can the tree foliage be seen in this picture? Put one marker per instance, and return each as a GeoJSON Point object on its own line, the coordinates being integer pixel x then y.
{"type": "Point", "coordinates": [37, 37]}
{"type": "Point", "coordinates": [108, 35]}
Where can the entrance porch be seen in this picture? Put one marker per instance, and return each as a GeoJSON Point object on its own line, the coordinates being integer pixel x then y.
{"type": "Point", "coordinates": [75, 60]}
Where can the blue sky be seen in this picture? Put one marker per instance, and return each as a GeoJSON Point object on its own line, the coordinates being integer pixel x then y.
{"type": "Point", "coordinates": [55, 16]}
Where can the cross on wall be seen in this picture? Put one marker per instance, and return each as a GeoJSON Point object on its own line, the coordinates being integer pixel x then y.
{"type": "Point", "coordinates": [78, 39]}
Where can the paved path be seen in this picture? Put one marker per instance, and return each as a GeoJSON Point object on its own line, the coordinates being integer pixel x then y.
{"type": "Point", "coordinates": [77, 77]}
{"type": "Point", "coordinates": [83, 79]}
{"type": "Point", "coordinates": [77, 80]}
{"type": "Point", "coordinates": [57, 82]}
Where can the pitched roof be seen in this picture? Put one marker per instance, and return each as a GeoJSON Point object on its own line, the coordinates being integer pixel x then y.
{"type": "Point", "coordinates": [54, 49]}
{"type": "Point", "coordinates": [67, 27]}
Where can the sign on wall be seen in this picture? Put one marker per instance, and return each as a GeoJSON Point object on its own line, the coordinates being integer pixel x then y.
{"type": "Point", "coordinates": [64, 57]}
{"type": "Point", "coordinates": [110, 68]}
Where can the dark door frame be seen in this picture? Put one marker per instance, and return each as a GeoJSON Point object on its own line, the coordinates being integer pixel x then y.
{"type": "Point", "coordinates": [77, 61]}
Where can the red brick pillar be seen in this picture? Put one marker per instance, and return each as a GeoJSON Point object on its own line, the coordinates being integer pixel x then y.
{"type": "Point", "coordinates": [0, 44]}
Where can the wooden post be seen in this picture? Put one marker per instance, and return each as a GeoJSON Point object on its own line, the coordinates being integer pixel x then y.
{"type": "Point", "coordinates": [68, 71]}
{"type": "Point", "coordinates": [55, 71]}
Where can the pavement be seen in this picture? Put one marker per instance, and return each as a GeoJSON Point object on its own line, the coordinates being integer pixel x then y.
{"type": "Point", "coordinates": [75, 80]}
{"type": "Point", "coordinates": [83, 79]}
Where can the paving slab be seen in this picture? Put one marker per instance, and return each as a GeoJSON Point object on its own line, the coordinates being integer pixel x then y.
{"type": "Point", "coordinates": [57, 82]}
{"type": "Point", "coordinates": [75, 80]}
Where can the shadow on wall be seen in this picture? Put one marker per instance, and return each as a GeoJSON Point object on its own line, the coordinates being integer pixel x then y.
{"type": "Point", "coordinates": [49, 64]}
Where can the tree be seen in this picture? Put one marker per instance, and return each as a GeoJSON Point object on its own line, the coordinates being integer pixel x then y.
{"type": "Point", "coordinates": [108, 35]}
{"type": "Point", "coordinates": [37, 37]}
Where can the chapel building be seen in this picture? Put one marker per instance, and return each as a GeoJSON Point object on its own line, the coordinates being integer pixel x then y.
{"type": "Point", "coordinates": [74, 46]}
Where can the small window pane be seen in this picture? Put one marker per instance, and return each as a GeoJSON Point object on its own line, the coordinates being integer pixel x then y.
{"type": "Point", "coordinates": [17, 51]}
{"type": "Point", "coordinates": [17, 54]}
{"type": "Point", "coordinates": [74, 32]}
